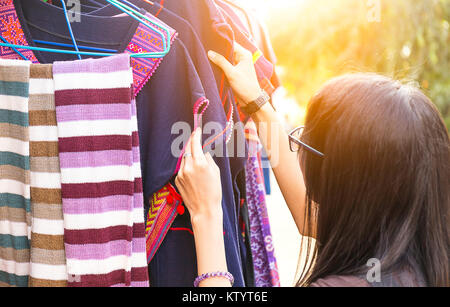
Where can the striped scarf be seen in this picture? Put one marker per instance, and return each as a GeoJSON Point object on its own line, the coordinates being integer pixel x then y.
{"type": "Point", "coordinates": [101, 183]}
{"type": "Point", "coordinates": [15, 218]}
{"type": "Point", "coordinates": [48, 261]}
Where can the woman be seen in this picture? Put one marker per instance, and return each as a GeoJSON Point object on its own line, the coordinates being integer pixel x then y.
{"type": "Point", "coordinates": [370, 182]}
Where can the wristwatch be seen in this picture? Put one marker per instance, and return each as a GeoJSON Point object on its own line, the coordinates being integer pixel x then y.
{"type": "Point", "coordinates": [257, 104]}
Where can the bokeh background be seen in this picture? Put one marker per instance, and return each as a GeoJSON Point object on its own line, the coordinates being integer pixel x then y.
{"type": "Point", "coordinates": [316, 40]}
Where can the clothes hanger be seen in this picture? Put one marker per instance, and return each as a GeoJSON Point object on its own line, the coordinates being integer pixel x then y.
{"type": "Point", "coordinates": [122, 7]}
{"type": "Point", "coordinates": [49, 43]}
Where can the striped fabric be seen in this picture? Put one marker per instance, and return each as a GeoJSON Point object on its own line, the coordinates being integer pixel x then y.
{"type": "Point", "coordinates": [139, 269]}
{"type": "Point", "coordinates": [15, 218]}
{"type": "Point", "coordinates": [48, 260]}
{"type": "Point", "coordinates": [101, 181]}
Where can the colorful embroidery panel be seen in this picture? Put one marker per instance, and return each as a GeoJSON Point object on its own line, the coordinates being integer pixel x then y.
{"type": "Point", "coordinates": [11, 30]}
{"type": "Point", "coordinates": [146, 40]}
{"type": "Point", "coordinates": [164, 207]}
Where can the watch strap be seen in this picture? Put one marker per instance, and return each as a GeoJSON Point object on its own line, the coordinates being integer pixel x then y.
{"type": "Point", "coordinates": [257, 104]}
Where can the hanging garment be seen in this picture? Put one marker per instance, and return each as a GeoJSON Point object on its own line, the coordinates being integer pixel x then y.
{"type": "Point", "coordinates": [256, 32]}
{"type": "Point", "coordinates": [99, 175]}
{"type": "Point", "coordinates": [189, 38]}
{"type": "Point", "coordinates": [128, 35]}
{"type": "Point", "coordinates": [264, 260]}
{"type": "Point", "coordinates": [165, 202]}
{"type": "Point", "coordinates": [139, 270]}
{"type": "Point", "coordinates": [244, 227]}
{"type": "Point", "coordinates": [215, 34]}
{"type": "Point", "coordinates": [160, 104]}
{"type": "Point", "coordinates": [265, 266]}
{"type": "Point", "coordinates": [174, 264]}
{"type": "Point", "coordinates": [15, 210]}
{"type": "Point", "coordinates": [48, 259]}
{"type": "Point", "coordinates": [264, 68]}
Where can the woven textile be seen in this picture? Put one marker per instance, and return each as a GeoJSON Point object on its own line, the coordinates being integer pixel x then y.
{"type": "Point", "coordinates": [48, 261]}
{"type": "Point", "coordinates": [15, 217]}
{"type": "Point", "coordinates": [162, 213]}
{"type": "Point", "coordinates": [264, 261]}
{"type": "Point", "coordinates": [12, 32]}
{"type": "Point", "coordinates": [100, 173]}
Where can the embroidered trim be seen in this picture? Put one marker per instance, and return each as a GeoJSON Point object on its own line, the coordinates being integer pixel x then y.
{"type": "Point", "coordinates": [12, 31]}
{"type": "Point", "coordinates": [146, 40]}
{"type": "Point", "coordinates": [162, 213]}
{"type": "Point", "coordinates": [200, 107]}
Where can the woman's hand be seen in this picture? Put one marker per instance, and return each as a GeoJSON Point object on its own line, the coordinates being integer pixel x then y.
{"type": "Point", "coordinates": [242, 76]}
{"type": "Point", "coordinates": [271, 132]}
{"type": "Point", "coordinates": [199, 182]}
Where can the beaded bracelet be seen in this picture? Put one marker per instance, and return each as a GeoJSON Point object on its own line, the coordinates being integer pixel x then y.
{"type": "Point", "coordinates": [202, 277]}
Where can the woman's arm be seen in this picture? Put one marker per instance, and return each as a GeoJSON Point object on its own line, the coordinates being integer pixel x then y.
{"type": "Point", "coordinates": [285, 164]}
{"type": "Point", "coordinates": [200, 187]}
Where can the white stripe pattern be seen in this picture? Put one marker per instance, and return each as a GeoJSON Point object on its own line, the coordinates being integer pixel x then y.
{"type": "Point", "coordinates": [15, 146]}
{"type": "Point", "coordinates": [46, 180]}
{"type": "Point", "coordinates": [97, 220]}
{"type": "Point", "coordinates": [14, 187]}
{"type": "Point", "coordinates": [97, 174]}
{"type": "Point", "coordinates": [93, 128]}
{"type": "Point", "coordinates": [74, 81]}
{"type": "Point", "coordinates": [41, 86]}
{"type": "Point", "coordinates": [16, 268]}
{"type": "Point", "coordinates": [14, 103]}
{"type": "Point", "coordinates": [48, 227]}
{"type": "Point", "coordinates": [103, 266]}
{"type": "Point", "coordinates": [16, 229]}
{"type": "Point", "coordinates": [43, 134]}
{"type": "Point", "coordinates": [41, 271]}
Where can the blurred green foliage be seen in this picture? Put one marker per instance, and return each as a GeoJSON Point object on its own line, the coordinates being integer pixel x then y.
{"type": "Point", "coordinates": [316, 40]}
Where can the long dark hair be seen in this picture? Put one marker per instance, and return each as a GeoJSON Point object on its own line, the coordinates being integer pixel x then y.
{"type": "Point", "coordinates": [382, 189]}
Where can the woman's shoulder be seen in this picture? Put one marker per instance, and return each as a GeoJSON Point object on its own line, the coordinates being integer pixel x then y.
{"type": "Point", "coordinates": [340, 281]}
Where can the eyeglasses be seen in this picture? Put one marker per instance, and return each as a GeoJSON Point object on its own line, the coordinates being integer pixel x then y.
{"type": "Point", "coordinates": [295, 143]}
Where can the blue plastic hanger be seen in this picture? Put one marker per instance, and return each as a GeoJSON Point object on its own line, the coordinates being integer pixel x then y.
{"type": "Point", "coordinates": [42, 42]}
{"type": "Point", "coordinates": [122, 7]}
{"type": "Point", "coordinates": [38, 41]}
